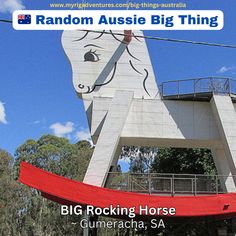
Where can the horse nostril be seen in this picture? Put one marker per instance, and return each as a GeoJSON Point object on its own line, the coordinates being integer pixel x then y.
{"type": "Point", "coordinates": [81, 86]}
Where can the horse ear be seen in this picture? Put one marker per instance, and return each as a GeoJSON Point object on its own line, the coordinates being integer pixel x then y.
{"type": "Point", "coordinates": [128, 36]}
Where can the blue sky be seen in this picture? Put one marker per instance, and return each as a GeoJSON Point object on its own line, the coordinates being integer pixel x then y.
{"type": "Point", "coordinates": [36, 92]}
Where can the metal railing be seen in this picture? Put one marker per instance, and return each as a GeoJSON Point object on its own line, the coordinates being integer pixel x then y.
{"type": "Point", "coordinates": [216, 85]}
{"type": "Point", "coordinates": [167, 184]}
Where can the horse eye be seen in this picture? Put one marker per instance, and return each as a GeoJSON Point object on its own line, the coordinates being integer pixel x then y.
{"type": "Point", "coordinates": [91, 56]}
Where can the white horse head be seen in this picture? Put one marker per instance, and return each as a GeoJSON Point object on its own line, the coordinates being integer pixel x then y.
{"type": "Point", "coordinates": [103, 62]}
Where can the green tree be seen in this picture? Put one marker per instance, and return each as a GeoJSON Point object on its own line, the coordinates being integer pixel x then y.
{"type": "Point", "coordinates": [11, 197]}
{"type": "Point", "coordinates": [184, 160]}
{"type": "Point", "coordinates": [140, 158]}
{"type": "Point", "coordinates": [24, 212]}
{"type": "Point", "coordinates": [5, 160]}
{"type": "Point", "coordinates": [56, 155]}
{"type": "Point", "coordinates": [38, 216]}
{"type": "Point", "coordinates": [169, 160]}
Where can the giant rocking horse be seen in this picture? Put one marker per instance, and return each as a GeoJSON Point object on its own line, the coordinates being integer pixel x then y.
{"type": "Point", "coordinates": [113, 75]}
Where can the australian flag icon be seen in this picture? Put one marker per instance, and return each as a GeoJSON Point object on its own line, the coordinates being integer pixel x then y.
{"type": "Point", "coordinates": [24, 19]}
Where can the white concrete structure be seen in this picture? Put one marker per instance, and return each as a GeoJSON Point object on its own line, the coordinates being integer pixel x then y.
{"type": "Point", "coordinates": [116, 81]}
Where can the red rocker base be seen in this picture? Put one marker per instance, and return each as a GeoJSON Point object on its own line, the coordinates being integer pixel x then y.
{"type": "Point", "coordinates": [67, 191]}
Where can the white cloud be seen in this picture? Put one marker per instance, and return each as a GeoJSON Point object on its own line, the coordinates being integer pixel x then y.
{"type": "Point", "coordinates": [62, 130]}
{"type": "Point", "coordinates": [225, 69]}
{"type": "Point", "coordinates": [11, 5]}
{"type": "Point", "coordinates": [83, 134]}
{"type": "Point", "coordinates": [68, 130]}
{"type": "Point", "coordinates": [2, 113]}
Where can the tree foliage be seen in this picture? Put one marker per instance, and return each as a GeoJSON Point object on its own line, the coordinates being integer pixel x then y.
{"type": "Point", "coordinates": [184, 160]}
{"type": "Point", "coordinates": [23, 211]}
{"type": "Point", "coordinates": [140, 159]}
{"type": "Point", "coordinates": [56, 155]}
{"type": "Point", "coordinates": [169, 160]}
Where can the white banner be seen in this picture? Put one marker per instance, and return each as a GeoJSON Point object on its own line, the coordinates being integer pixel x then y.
{"type": "Point", "coordinates": [118, 20]}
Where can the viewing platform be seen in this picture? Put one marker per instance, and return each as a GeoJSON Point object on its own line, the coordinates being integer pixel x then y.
{"type": "Point", "coordinates": [167, 183]}
{"type": "Point", "coordinates": [199, 89]}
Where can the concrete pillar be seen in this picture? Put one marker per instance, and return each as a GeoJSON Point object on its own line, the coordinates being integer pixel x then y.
{"type": "Point", "coordinates": [108, 141]}
{"type": "Point", "coordinates": [225, 117]}
{"type": "Point", "coordinates": [113, 167]}
{"type": "Point", "coordinates": [107, 149]}
{"type": "Point", "coordinates": [226, 180]}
